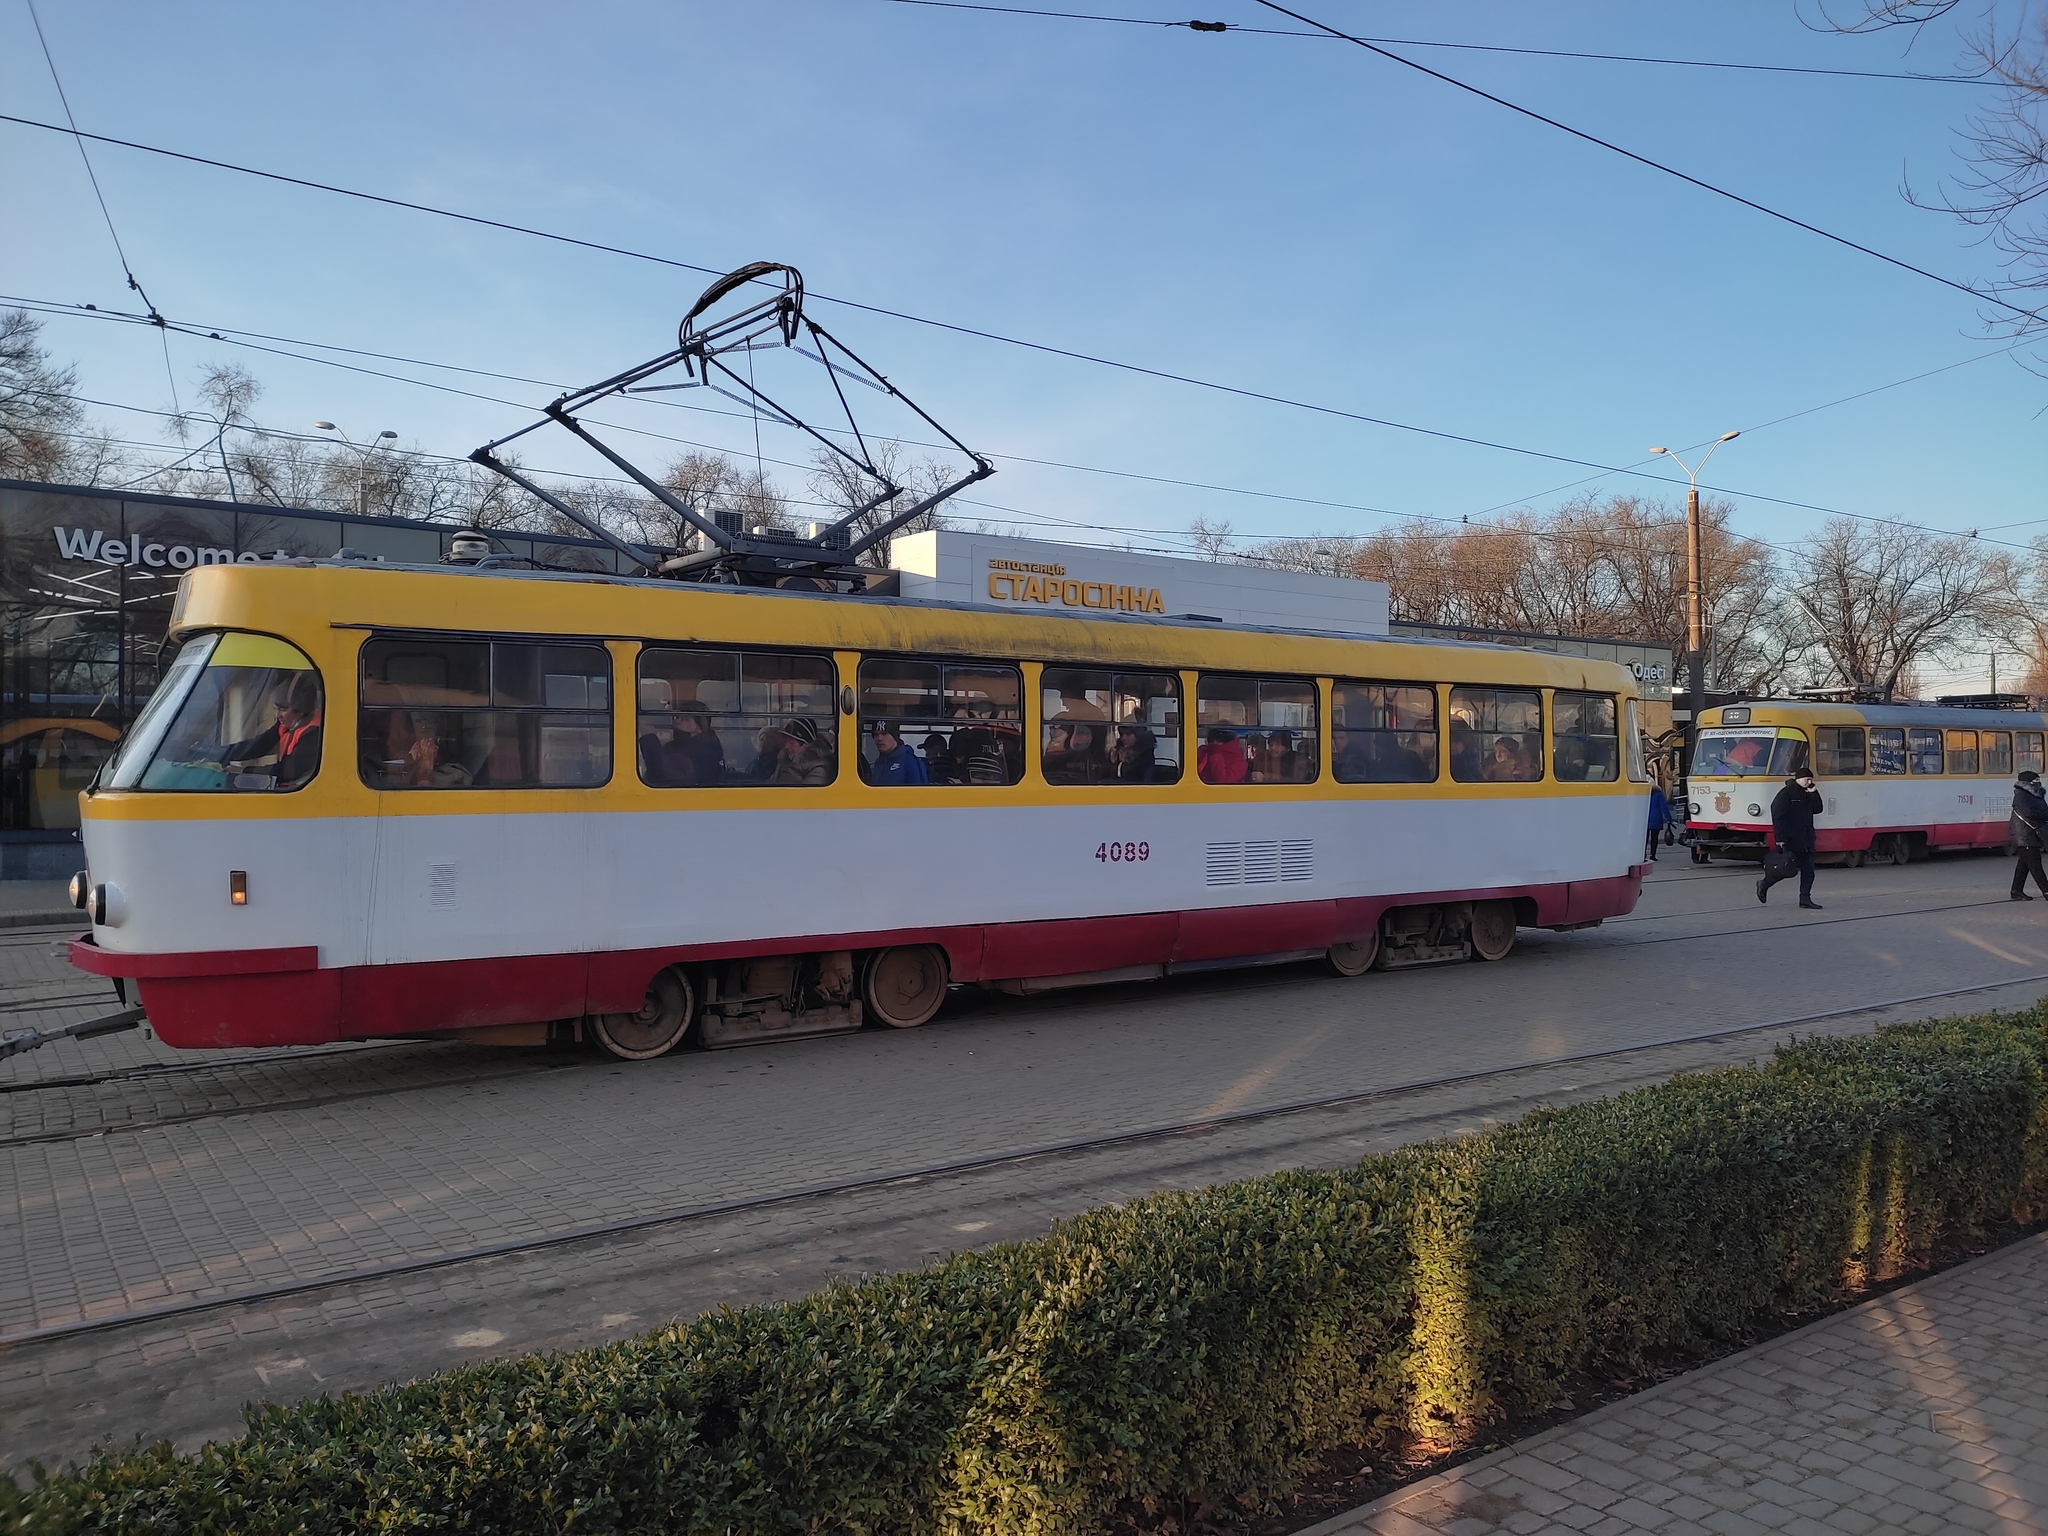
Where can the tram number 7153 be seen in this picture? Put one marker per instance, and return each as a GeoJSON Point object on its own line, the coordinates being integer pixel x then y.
{"type": "Point", "coordinates": [1122, 853]}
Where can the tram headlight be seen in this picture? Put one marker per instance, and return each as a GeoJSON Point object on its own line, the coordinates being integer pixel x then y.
{"type": "Point", "coordinates": [1755, 809]}
{"type": "Point", "coordinates": [109, 906]}
{"type": "Point", "coordinates": [81, 889]}
{"type": "Point", "coordinates": [1695, 808]}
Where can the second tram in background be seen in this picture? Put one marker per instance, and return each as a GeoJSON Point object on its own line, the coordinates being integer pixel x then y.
{"type": "Point", "coordinates": [1899, 780]}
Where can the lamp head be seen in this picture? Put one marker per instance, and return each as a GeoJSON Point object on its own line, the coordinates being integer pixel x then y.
{"type": "Point", "coordinates": [1660, 450]}
{"type": "Point", "coordinates": [1729, 437]}
{"type": "Point", "coordinates": [394, 434]}
{"type": "Point", "coordinates": [323, 426]}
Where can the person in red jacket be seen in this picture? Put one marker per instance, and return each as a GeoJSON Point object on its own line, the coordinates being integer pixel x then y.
{"type": "Point", "coordinates": [293, 739]}
{"type": "Point", "coordinates": [1221, 759]}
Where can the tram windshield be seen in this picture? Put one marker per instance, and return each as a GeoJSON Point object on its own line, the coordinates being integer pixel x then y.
{"type": "Point", "coordinates": [234, 712]}
{"type": "Point", "coordinates": [1727, 753]}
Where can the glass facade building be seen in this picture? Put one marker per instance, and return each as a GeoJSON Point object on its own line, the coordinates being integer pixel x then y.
{"type": "Point", "coordinates": [86, 583]}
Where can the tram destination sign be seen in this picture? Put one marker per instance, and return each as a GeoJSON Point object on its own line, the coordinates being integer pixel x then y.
{"type": "Point", "coordinates": [990, 571]}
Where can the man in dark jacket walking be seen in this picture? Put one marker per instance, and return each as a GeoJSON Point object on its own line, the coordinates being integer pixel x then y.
{"type": "Point", "coordinates": [2029, 824]}
{"type": "Point", "coordinates": [1792, 816]}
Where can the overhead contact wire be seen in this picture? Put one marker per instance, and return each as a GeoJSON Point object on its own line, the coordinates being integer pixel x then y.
{"type": "Point", "coordinates": [1655, 165]}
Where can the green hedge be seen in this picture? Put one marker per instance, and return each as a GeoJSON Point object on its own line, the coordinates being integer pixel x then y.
{"type": "Point", "coordinates": [1186, 1351]}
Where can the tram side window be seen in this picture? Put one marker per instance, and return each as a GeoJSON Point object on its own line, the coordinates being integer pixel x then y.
{"type": "Point", "coordinates": [1962, 751]}
{"type": "Point", "coordinates": [484, 714]}
{"type": "Point", "coordinates": [2027, 752]}
{"type": "Point", "coordinates": [1997, 761]}
{"type": "Point", "coordinates": [234, 712]}
{"type": "Point", "coordinates": [1383, 733]}
{"type": "Point", "coordinates": [1256, 730]}
{"type": "Point", "coordinates": [931, 722]}
{"type": "Point", "coordinates": [1496, 735]}
{"type": "Point", "coordinates": [1923, 750]}
{"type": "Point", "coordinates": [736, 718]}
{"type": "Point", "coordinates": [1632, 744]}
{"type": "Point", "coordinates": [1838, 751]}
{"type": "Point", "coordinates": [1110, 727]}
{"type": "Point", "coordinates": [1584, 744]}
{"type": "Point", "coordinates": [1887, 750]}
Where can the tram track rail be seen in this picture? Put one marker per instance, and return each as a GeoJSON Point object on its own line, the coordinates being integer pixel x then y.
{"type": "Point", "coordinates": [597, 1232]}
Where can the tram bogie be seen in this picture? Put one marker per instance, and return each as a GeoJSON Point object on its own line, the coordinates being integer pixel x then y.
{"type": "Point", "coordinates": [778, 997]}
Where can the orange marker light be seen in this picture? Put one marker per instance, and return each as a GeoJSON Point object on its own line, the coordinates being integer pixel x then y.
{"type": "Point", "coordinates": [238, 887]}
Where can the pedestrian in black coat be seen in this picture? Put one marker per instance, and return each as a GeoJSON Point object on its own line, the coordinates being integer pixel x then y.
{"type": "Point", "coordinates": [2029, 827]}
{"type": "Point", "coordinates": [1792, 816]}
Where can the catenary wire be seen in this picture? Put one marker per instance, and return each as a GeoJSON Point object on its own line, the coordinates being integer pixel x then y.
{"type": "Point", "coordinates": [1986, 296]}
{"type": "Point", "coordinates": [1044, 348]}
{"type": "Point", "coordinates": [99, 196]}
{"type": "Point", "coordinates": [1111, 528]}
{"type": "Point", "coordinates": [224, 333]}
{"type": "Point", "coordinates": [1416, 42]}
{"type": "Point", "coordinates": [686, 442]}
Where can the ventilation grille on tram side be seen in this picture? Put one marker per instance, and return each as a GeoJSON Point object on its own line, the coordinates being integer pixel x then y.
{"type": "Point", "coordinates": [1262, 862]}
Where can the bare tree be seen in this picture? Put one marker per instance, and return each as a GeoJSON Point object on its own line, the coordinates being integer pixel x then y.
{"type": "Point", "coordinates": [1612, 568]}
{"type": "Point", "coordinates": [1869, 601]}
{"type": "Point", "coordinates": [843, 488]}
{"type": "Point", "coordinates": [2005, 143]}
{"type": "Point", "coordinates": [1212, 539]}
{"type": "Point", "coordinates": [39, 419]}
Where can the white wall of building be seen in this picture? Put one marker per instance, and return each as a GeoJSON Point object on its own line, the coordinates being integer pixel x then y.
{"type": "Point", "coordinates": [1023, 575]}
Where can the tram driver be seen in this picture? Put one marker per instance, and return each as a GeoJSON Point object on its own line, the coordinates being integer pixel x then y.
{"type": "Point", "coordinates": [293, 738]}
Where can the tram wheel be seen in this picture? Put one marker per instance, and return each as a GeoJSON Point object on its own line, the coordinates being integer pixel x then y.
{"type": "Point", "coordinates": [659, 1026]}
{"type": "Point", "coordinates": [903, 987]}
{"type": "Point", "coordinates": [1853, 859]}
{"type": "Point", "coordinates": [1357, 958]}
{"type": "Point", "coordinates": [1493, 929]}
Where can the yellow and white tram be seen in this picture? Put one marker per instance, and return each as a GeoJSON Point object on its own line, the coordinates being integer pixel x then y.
{"type": "Point", "coordinates": [375, 800]}
{"type": "Point", "coordinates": [1899, 780]}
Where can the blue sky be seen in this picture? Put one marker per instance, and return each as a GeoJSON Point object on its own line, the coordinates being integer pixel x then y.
{"type": "Point", "coordinates": [1285, 215]}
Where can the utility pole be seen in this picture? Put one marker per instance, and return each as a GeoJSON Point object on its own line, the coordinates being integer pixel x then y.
{"type": "Point", "coordinates": [1695, 596]}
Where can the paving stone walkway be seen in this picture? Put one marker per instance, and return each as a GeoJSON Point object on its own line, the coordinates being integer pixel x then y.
{"type": "Point", "coordinates": [1923, 1411]}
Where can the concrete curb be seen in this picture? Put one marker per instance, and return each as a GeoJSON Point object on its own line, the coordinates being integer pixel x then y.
{"type": "Point", "coordinates": [62, 917]}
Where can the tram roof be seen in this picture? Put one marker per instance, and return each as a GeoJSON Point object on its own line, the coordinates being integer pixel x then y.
{"type": "Point", "coordinates": [871, 602]}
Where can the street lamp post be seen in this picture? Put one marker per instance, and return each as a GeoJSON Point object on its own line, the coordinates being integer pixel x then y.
{"type": "Point", "coordinates": [1695, 604]}
{"type": "Point", "coordinates": [363, 465]}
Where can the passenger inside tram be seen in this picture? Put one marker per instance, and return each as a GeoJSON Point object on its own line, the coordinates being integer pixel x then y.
{"type": "Point", "coordinates": [1465, 764]}
{"type": "Point", "coordinates": [801, 754]}
{"type": "Point", "coordinates": [1134, 756]}
{"type": "Point", "coordinates": [1074, 753]}
{"type": "Point", "coordinates": [1220, 759]}
{"type": "Point", "coordinates": [691, 757]}
{"type": "Point", "coordinates": [895, 762]}
{"type": "Point", "coordinates": [1510, 762]}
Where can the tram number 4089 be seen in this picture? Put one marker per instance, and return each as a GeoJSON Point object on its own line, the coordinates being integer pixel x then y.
{"type": "Point", "coordinates": [1122, 853]}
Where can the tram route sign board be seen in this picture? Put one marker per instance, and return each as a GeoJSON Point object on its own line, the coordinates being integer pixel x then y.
{"type": "Point", "coordinates": [1079, 581]}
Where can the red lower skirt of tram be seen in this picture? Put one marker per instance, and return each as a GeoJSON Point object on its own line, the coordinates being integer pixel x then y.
{"type": "Point", "coordinates": [285, 997]}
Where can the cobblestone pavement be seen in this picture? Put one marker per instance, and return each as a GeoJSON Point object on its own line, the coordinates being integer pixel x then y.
{"type": "Point", "coordinates": [1924, 1411]}
{"type": "Point", "coordinates": [134, 1177]}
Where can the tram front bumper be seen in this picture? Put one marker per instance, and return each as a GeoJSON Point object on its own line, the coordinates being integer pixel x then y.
{"type": "Point", "coordinates": [198, 999]}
